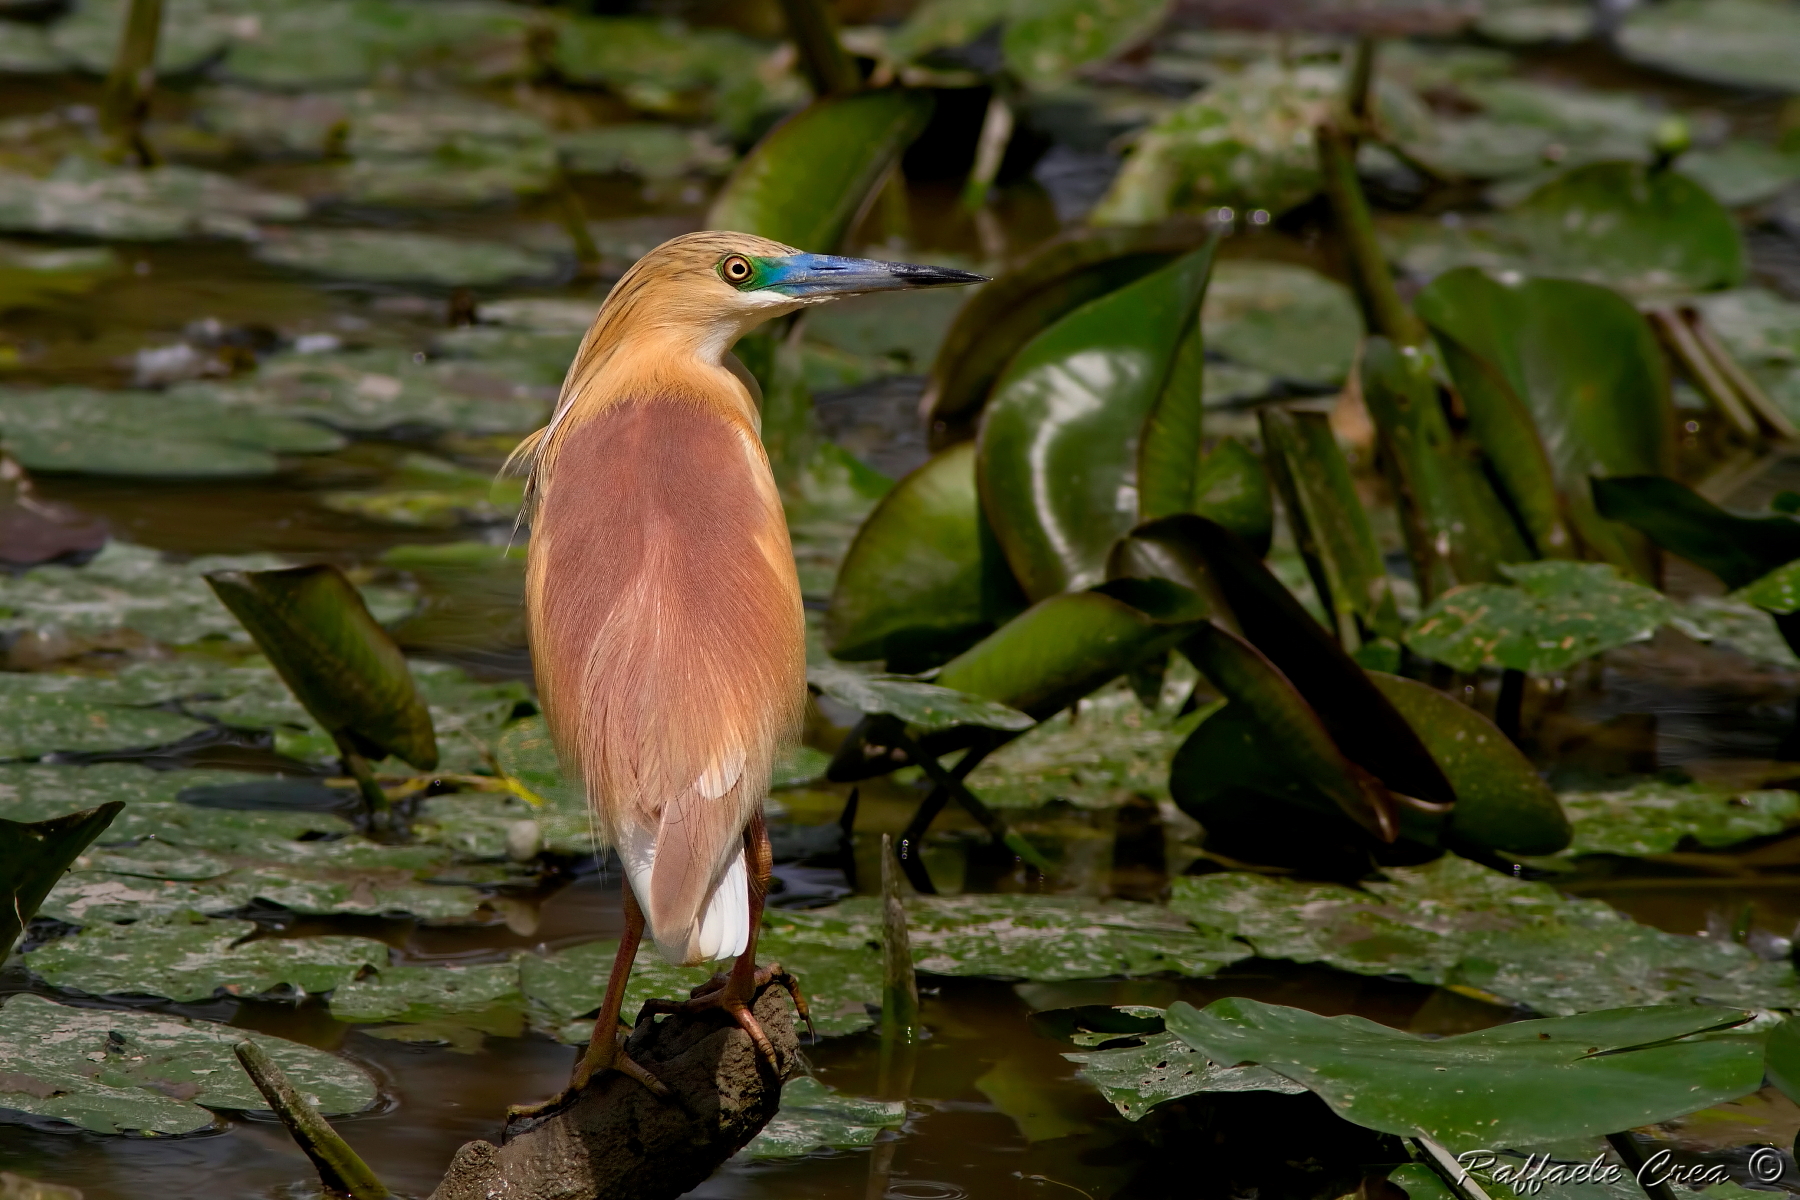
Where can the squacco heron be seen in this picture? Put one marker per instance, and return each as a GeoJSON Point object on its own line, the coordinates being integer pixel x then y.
{"type": "Point", "coordinates": [664, 609]}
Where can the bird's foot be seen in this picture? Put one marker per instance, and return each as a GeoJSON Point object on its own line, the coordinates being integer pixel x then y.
{"type": "Point", "coordinates": [596, 1061]}
{"type": "Point", "coordinates": [735, 992]}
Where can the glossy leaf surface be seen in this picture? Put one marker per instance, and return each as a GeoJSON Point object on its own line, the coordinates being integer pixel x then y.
{"type": "Point", "coordinates": [806, 181]}
{"type": "Point", "coordinates": [1000, 317]}
{"type": "Point", "coordinates": [1360, 719]}
{"type": "Point", "coordinates": [1501, 802]}
{"type": "Point", "coordinates": [34, 855]}
{"type": "Point", "coordinates": [1329, 524]}
{"type": "Point", "coordinates": [1059, 442]}
{"type": "Point", "coordinates": [1234, 755]}
{"type": "Point", "coordinates": [1061, 649]}
{"type": "Point", "coordinates": [1578, 363]}
{"type": "Point", "coordinates": [1456, 529]}
{"type": "Point", "coordinates": [911, 582]}
{"type": "Point", "coordinates": [1232, 488]}
{"type": "Point", "coordinates": [1738, 549]}
{"type": "Point", "coordinates": [1521, 1084]}
{"type": "Point", "coordinates": [341, 665]}
{"type": "Point", "coordinates": [927, 707]}
{"type": "Point", "coordinates": [1559, 614]}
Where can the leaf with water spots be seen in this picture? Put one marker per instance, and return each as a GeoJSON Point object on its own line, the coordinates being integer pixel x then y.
{"type": "Point", "coordinates": [816, 1116]}
{"type": "Point", "coordinates": [1135, 1079]}
{"type": "Point", "coordinates": [111, 1072]}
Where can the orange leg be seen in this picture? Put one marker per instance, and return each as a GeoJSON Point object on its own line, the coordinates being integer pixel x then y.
{"type": "Point", "coordinates": [605, 1049]}
{"type": "Point", "coordinates": [735, 991]}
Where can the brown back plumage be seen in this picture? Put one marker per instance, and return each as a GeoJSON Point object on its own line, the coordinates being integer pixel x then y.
{"type": "Point", "coordinates": [664, 610]}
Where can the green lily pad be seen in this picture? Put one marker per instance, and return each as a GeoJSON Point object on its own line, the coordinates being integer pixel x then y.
{"type": "Point", "coordinates": [149, 434]}
{"type": "Point", "coordinates": [1741, 172]}
{"type": "Point", "coordinates": [562, 988]}
{"type": "Point", "coordinates": [111, 1072]}
{"type": "Point", "coordinates": [368, 391]}
{"type": "Point", "coordinates": [1655, 817]}
{"type": "Point", "coordinates": [1289, 321]}
{"type": "Point", "coordinates": [649, 150]}
{"type": "Point", "coordinates": [1452, 922]}
{"type": "Point", "coordinates": [1756, 325]}
{"type": "Point", "coordinates": [658, 66]}
{"type": "Point", "coordinates": [1777, 592]}
{"type": "Point", "coordinates": [1113, 751]}
{"type": "Point", "coordinates": [1040, 938]}
{"type": "Point", "coordinates": [87, 896]}
{"type": "Point", "coordinates": [426, 492]}
{"type": "Point", "coordinates": [187, 957]}
{"type": "Point", "coordinates": [1047, 40]}
{"type": "Point", "coordinates": [1246, 142]}
{"type": "Point", "coordinates": [815, 1116]}
{"type": "Point", "coordinates": [345, 43]}
{"type": "Point", "coordinates": [129, 204]}
{"type": "Point", "coordinates": [28, 50]}
{"type": "Point", "coordinates": [925, 706]}
{"type": "Point", "coordinates": [1559, 614]}
{"type": "Point", "coordinates": [1621, 224]}
{"type": "Point", "coordinates": [34, 792]}
{"type": "Point", "coordinates": [193, 31]}
{"type": "Point", "coordinates": [1524, 1084]}
{"type": "Point", "coordinates": [1738, 43]}
{"type": "Point", "coordinates": [392, 256]}
{"type": "Point", "coordinates": [1135, 1079]}
{"type": "Point", "coordinates": [1527, 24]}
{"type": "Point", "coordinates": [441, 150]}
{"type": "Point", "coordinates": [1741, 627]}
{"type": "Point", "coordinates": [33, 276]}
{"type": "Point", "coordinates": [426, 994]}
{"type": "Point", "coordinates": [47, 713]}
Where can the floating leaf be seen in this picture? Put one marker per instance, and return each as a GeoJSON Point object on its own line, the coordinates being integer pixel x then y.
{"type": "Point", "coordinates": [34, 855]}
{"type": "Point", "coordinates": [111, 1072]}
{"type": "Point", "coordinates": [1452, 922]}
{"type": "Point", "coordinates": [339, 663]}
{"type": "Point", "coordinates": [1738, 43]}
{"type": "Point", "coordinates": [926, 707]}
{"type": "Point", "coordinates": [343, 43]}
{"type": "Point", "coordinates": [649, 150]}
{"type": "Point", "coordinates": [1749, 631]}
{"type": "Point", "coordinates": [129, 204]}
{"type": "Point", "coordinates": [148, 434]}
{"type": "Point", "coordinates": [1741, 172]}
{"type": "Point", "coordinates": [1113, 751]}
{"type": "Point", "coordinates": [393, 256]}
{"type": "Point", "coordinates": [1135, 1079]}
{"type": "Point", "coordinates": [1777, 592]}
{"type": "Point", "coordinates": [1245, 142]}
{"type": "Point", "coordinates": [806, 181]}
{"type": "Point", "coordinates": [814, 1116]}
{"type": "Point", "coordinates": [1071, 407]}
{"type": "Point", "coordinates": [1655, 817]}
{"type": "Point", "coordinates": [1045, 41]}
{"type": "Point", "coordinates": [1525, 1084]}
{"type": "Point", "coordinates": [187, 957]}
{"type": "Point", "coordinates": [1645, 232]}
{"type": "Point", "coordinates": [1559, 614]}
{"type": "Point", "coordinates": [424, 994]}
{"type": "Point", "coordinates": [1289, 321]}
{"type": "Point", "coordinates": [432, 493]}
{"type": "Point", "coordinates": [370, 391]}
{"type": "Point", "coordinates": [48, 713]}
{"type": "Point", "coordinates": [565, 986]}
{"type": "Point", "coordinates": [660, 67]}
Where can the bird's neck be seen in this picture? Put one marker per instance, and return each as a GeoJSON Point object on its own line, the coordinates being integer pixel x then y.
{"type": "Point", "coordinates": [676, 361]}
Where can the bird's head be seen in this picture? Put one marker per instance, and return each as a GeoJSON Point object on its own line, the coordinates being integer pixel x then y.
{"type": "Point", "coordinates": [732, 282]}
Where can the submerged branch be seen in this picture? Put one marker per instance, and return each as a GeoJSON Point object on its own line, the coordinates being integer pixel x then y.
{"type": "Point", "coordinates": [338, 1165]}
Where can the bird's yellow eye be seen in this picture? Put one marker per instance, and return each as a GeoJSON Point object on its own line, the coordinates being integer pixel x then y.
{"type": "Point", "coordinates": [736, 269]}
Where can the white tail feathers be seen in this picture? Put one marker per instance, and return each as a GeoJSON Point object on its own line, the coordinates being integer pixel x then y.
{"type": "Point", "coordinates": [723, 930]}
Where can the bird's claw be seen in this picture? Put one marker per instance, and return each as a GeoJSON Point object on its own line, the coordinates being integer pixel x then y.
{"type": "Point", "coordinates": [592, 1063]}
{"type": "Point", "coordinates": [725, 991]}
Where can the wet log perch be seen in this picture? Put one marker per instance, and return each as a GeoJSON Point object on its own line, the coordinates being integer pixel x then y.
{"type": "Point", "coordinates": [617, 1141]}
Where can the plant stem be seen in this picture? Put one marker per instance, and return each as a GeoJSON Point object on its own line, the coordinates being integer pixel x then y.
{"type": "Point", "coordinates": [133, 77]}
{"type": "Point", "coordinates": [1361, 80]}
{"type": "Point", "coordinates": [573, 214]}
{"type": "Point", "coordinates": [338, 1165]}
{"type": "Point", "coordinates": [375, 801]}
{"type": "Point", "coordinates": [989, 820]}
{"type": "Point", "coordinates": [899, 984]}
{"type": "Point", "coordinates": [1634, 1162]}
{"type": "Point", "coordinates": [1373, 283]}
{"type": "Point", "coordinates": [1751, 392]}
{"type": "Point", "coordinates": [990, 149]}
{"type": "Point", "coordinates": [1691, 354]}
{"type": "Point", "coordinates": [1510, 704]}
{"type": "Point", "coordinates": [814, 30]}
{"type": "Point", "coordinates": [907, 850]}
